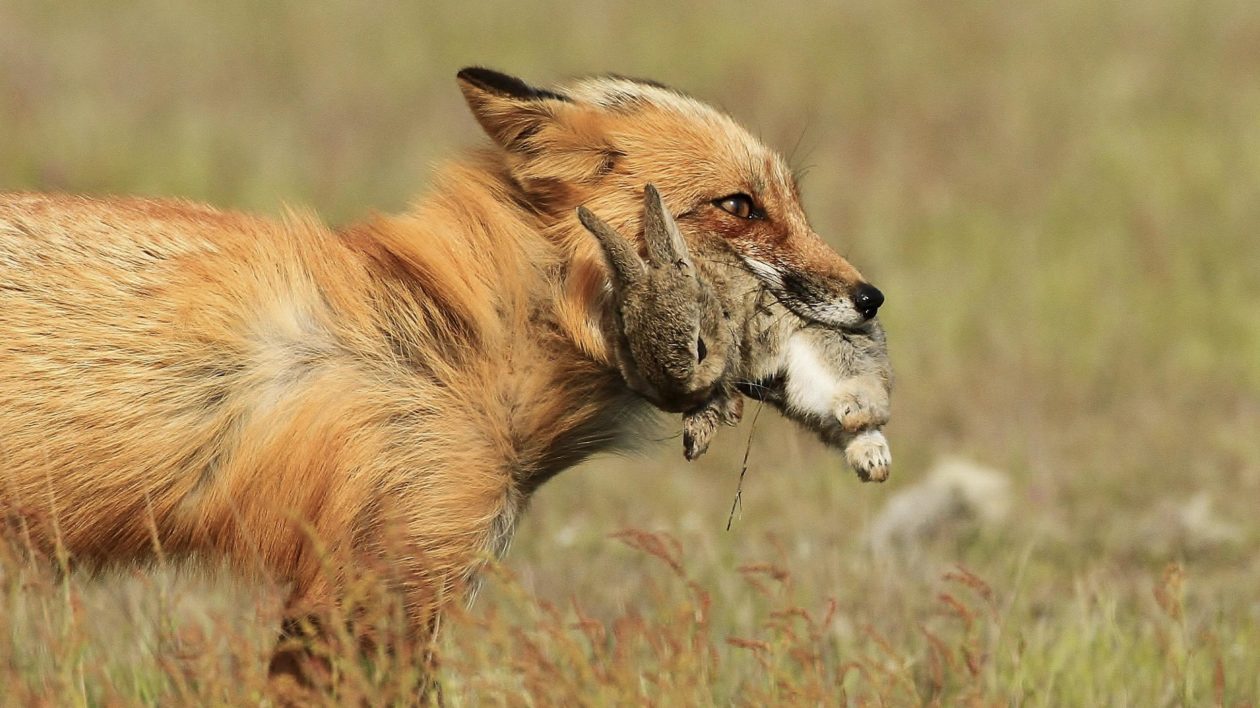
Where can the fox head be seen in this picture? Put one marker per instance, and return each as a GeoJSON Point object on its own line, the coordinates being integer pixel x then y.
{"type": "Point", "coordinates": [597, 141]}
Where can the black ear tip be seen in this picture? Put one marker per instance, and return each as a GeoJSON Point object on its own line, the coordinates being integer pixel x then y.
{"type": "Point", "coordinates": [491, 80]}
{"type": "Point", "coordinates": [502, 84]}
{"type": "Point", "coordinates": [480, 75]}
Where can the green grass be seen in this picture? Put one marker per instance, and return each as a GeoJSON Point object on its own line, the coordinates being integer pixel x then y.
{"type": "Point", "coordinates": [1060, 199]}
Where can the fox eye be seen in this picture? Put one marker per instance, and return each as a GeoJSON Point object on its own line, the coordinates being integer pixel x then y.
{"type": "Point", "coordinates": [740, 205]}
{"type": "Point", "coordinates": [701, 350]}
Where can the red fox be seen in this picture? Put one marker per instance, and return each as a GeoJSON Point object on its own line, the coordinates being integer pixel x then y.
{"type": "Point", "coordinates": [181, 379]}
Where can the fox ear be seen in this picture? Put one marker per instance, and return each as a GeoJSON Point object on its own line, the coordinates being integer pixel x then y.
{"type": "Point", "coordinates": [508, 109]}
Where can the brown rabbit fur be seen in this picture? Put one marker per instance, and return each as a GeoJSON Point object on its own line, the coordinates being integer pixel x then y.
{"type": "Point", "coordinates": [674, 339]}
{"type": "Point", "coordinates": [836, 382]}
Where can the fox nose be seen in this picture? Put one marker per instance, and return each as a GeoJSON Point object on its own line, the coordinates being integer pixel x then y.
{"type": "Point", "coordinates": [867, 298]}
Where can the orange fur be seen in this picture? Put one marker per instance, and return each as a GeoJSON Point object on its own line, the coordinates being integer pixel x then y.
{"type": "Point", "coordinates": [208, 382]}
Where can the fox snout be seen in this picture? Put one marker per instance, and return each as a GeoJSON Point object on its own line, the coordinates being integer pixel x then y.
{"type": "Point", "coordinates": [839, 300]}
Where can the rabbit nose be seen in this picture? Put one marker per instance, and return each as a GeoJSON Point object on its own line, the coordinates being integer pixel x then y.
{"type": "Point", "coordinates": [867, 298]}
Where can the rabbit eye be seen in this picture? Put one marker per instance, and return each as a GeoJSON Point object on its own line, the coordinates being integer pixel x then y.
{"type": "Point", "coordinates": [701, 350]}
{"type": "Point", "coordinates": [740, 205]}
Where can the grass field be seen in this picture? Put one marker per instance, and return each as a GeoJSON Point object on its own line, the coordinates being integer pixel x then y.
{"type": "Point", "coordinates": [1061, 201]}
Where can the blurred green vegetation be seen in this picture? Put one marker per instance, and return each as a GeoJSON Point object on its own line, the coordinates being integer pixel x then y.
{"type": "Point", "coordinates": [1061, 201]}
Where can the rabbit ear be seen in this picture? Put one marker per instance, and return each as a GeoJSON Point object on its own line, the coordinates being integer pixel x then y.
{"type": "Point", "coordinates": [626, 265]}
{"type": "Point", "coordinates": [665, 244]}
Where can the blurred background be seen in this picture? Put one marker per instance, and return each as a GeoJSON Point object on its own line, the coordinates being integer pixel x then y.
{"type": "Point", "coordinates": [1061, 201]}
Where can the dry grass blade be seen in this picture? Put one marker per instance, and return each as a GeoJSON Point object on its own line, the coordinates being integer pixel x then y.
{"type": "Point", "coordinates": [743, 469]}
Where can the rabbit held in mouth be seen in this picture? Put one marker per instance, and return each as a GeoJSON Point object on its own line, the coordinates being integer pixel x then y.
{"type": "Point", "coordinates": [679, 316]}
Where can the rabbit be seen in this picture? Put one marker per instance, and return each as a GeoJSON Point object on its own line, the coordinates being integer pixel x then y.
{"type": "Point", "coordinates": [674, 340]}
{"type": "Point", "coordinates": [679, 319]}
